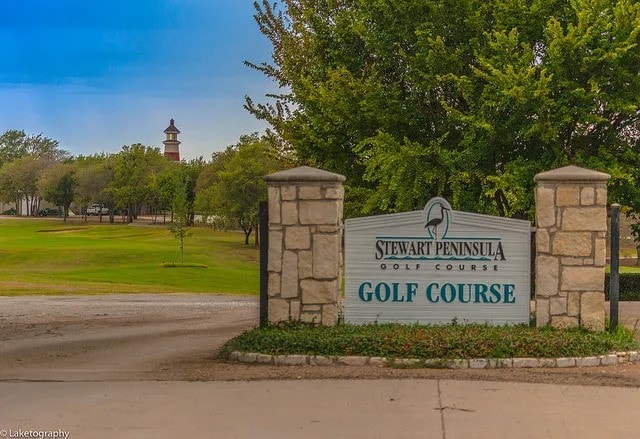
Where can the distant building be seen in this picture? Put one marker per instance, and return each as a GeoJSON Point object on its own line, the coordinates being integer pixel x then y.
{"type": "Point", "coordinates": [171, 143]}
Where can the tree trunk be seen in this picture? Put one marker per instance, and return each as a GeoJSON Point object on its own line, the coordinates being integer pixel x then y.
{"type": "Point", "coordinates": [638, 255]}
{"type": "Point", "coordinates": [256, 233]}
{"type": "Point", "coordinates": [247, 233]}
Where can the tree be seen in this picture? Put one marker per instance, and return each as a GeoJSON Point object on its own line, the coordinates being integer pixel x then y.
{"type": "Point", "coordinates": [23, 158]}
{"type": "Point", "coordinates": [93, 176]}
{"type": "Point", "coordinates": [15, 144]}
{"type": "Point", "coordinates": [179, 225]}
{"type": "Point", "coordinates": [19, 180]}
{"type": "Point", "coordinates": [410, 100]}
{"type": "Point", "coordinates": [240, 184]}
{"type": "Point", "coordinates": [57, 185]}
{"type": "Point", "coordinates": [133, 171]}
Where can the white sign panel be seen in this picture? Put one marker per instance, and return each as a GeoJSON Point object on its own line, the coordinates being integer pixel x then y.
{"type": "Point", "coordinates": [437, 265]}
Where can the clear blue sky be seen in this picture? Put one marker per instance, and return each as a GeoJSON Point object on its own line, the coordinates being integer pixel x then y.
{"type": "Point", "coordinates": [99, 74]}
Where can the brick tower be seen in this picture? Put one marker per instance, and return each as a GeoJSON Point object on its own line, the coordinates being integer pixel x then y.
{"type": "Point", "coordinates": [171, 143]}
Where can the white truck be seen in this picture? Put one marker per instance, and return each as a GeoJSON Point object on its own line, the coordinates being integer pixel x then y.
{"type": "Point", "coordinates": [97, 209]}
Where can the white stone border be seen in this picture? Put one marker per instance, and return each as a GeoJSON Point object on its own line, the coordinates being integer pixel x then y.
{"type": "Point", "coordinates": [437, 363]}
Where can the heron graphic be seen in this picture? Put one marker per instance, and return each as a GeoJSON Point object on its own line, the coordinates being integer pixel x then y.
{"type": "Point", "coordinates": [433, 223]}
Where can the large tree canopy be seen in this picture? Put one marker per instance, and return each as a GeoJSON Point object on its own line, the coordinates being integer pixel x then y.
{"type": "Point", "coordinates": [467, 99]}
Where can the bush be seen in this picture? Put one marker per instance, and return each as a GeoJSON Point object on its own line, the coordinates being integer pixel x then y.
{"type": "Point", "coordinates": [629, 286]}
{"type": "Point", "coordinates": [425, 341]}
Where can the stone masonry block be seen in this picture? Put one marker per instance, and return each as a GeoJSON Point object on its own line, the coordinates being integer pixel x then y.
{"type": "Point", "coordinates": [542, 241]}
{"type": "Point", "coordinates": [275, 251]}
{"type": "Point", "coordinates": [601, 196]}
{"type": "Point", "coordinates": [566, 362]}
{"type": "Point", "coordinates": [568, 195]}
{"type": "Point", "coordinates": [582, 279]}
{"type": "Point", "coordinates": [319, 292]}
{"type": "Point", "coordinates": [319, 360]}
{"type": "Point", "coordinates": [600, 252]}
{"type": "Point", "coordinates": [294, 310]}
{"type": "Point", "coordinates": [318, 212]}
{"type": "Point", "coordinates": [330, 314]}
{"type": "Point", "coordinates": [573, 303]}
{"type": "Point", "coordinates": [297, 238]}
{"type": "Point", "coordinates": [274, 284]}
{"type": "Point", "coordinates": [564, 322]}
{"type": "Point", "coordinates": [289, 286]}
{"type": "Point", "coordinates": [278, 310]}
{"type": "Point", "coordinates": [572, 261]}
{"type": "Point", "coordinates": [589, 219]}
{"type": "Point", "coordinates": [289, 193]}
{"type": "Point", "coordinates": [309, 193]}
{"type": "Point", "coordinates": [572, 244]}
{"type": "Point", "coordinates": [592, 311]}
{"type": "Point", "coordinates": [289, 212]}
{"type": "Point", "coordinates": [545, 207]}
{"type": "Point", "coordinates": [334, 193]}
{"type": "Point", "coordinates": [328, 229]}
{"type": "Point", "coordinates": [305, 267]}
{"type": "Point", "coordinates": [274, 204]}
{"type": "Point", "coordinates": [326, 256]}
{"type": "Point", "coordinates": [543, 316]}
{"type": "Point", "coordinates": [557, 306]}
{"type": "Point", "coordinates": [310, 317]}
{"type": "Point", "coordinates": [587, 361]}
{"type": "Point", "coordinates": [547, 270]}
{"type": "Point", "coordinates": [588, 196]}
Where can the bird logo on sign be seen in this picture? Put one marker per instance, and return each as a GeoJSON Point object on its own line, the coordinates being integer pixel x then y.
{"type": "Point", "coordinates": [437, 217]}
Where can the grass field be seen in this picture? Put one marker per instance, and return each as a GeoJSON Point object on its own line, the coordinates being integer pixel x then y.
{"type": "Point", "coordinates": [44, 256]}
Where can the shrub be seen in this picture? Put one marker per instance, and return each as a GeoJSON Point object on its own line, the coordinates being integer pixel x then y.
{"type": "Point", "coordinates": [629, 286]}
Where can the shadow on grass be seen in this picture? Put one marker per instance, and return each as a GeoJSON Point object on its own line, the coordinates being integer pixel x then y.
{"type": "Point", "coordinates": [174, 265]}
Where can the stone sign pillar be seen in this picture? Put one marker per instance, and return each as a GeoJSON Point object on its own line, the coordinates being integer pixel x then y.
{"type": "Point", "coordinates": [571, 221]}
{"type": "Point", "coordinates": [305, 248]}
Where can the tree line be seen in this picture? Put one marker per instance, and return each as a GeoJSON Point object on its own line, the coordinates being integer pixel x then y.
{"type": "Point", "coordinates": [225, 190]}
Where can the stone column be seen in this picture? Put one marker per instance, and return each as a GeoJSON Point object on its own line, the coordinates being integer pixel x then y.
{"type": "Point", "coordinates": [571, 221]}
{"type": "Point", "coordinates": [305, 245]}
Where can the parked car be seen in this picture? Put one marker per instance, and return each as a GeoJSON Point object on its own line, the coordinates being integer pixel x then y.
{"type": "Point", "coordinates": [97, 209]}
{"type": "Point", "coordinates": [11, 211]}
{"type": "Point", "coordinates": [47, 211]}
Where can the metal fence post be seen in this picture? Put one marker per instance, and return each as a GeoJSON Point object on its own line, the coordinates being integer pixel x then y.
{"type": "Point", "coordinates": [264, 255]}
{"type": "Point", "coordinates": [614, 280]}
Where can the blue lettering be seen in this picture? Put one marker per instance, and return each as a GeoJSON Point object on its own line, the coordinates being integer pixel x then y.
{"type": "Point", "coordinates": [452, 293]}
{"type": "Point", "coordinates": [430, 293]}
{"type": "Point", "coordinates": [494, 289]}
{"type": "Point", "coordinates": [387, 292]}
{"type": "Point", "coordinates": [365, 296]}
{"type": "Point", "coordinates": [396, 293]}
{"type": "Point", "coordinates": [481, 290]}
{"type": "Point", "coordinates": [412, 290]}
{"type": "Point", "coordinates": [508, 293]}
{"type": "Point", "coordinates": [461, 291]}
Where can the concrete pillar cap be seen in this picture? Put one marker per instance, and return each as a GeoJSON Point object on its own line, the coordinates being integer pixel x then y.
{"type": "Point", "coordinates": [572, 173]}
{"type": "Point", "coordinates": [302, 174]}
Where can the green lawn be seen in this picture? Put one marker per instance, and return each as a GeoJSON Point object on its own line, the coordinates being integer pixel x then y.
{"type": "Point", "coordinates": [624, 269]}
{"type": "Point", "coordinates": [48, 257]}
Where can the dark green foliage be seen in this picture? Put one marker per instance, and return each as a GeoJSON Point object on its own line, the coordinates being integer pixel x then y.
{"type": "Point", "coordinates": [466, 99]}
{"type": "Point", "coordinates": [629, 286]}
{"type": "Point", "coordinates": [419, 341]}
